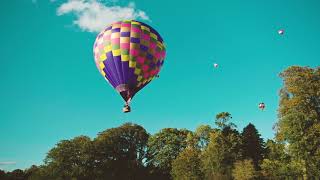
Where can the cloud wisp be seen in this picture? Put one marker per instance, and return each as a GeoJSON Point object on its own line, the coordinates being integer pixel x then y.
{"type": "Point", "coordinates": [93, 16]}
{"type": "Point", "coordinates": [7, 163]}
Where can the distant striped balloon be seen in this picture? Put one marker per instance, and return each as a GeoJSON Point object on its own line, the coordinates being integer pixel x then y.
{"type": "Point", "coordinates": [281, 31]}
{"type": "Point", "coordinates": [262, 106]}
{"type": "Point", "coordinates": [129, 54]}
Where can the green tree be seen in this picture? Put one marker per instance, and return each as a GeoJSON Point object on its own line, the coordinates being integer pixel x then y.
{"type": "Point", "coordinates": [252, 145]}
{"type": "Point", "coordinates": [120, 153]}
{"type": "Point", "coordinates": [30, 171]}
{"type": "Point", "coordinates": [222, 120]}
{"type": "Point", "coordinates": [163, 148]}
{"type": "Point", "coordinates": [187, 165]}
{"type": "Point", "coordinates": [299, 116]}
{"type": "Point", "coordinates": [71, 159]}
{"type": "Point", "coordinates": [203, 134]}
{"type": "Point", "coordinates": [192, 140]}
{"type": "Point", "coordinates": [278, 164]}
{"type": "Point", "coordinates": [244, 170]}
{"type": "Point", "coordinates": [200, 138]}
{"type": "Point", "coordinates": [41, 173]}
{"type": "Point", "coordinates": [220, 154]}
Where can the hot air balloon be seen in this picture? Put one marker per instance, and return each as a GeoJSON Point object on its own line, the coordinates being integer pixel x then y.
{"type": "Point", "coordinates": [262, 106]}
{"type": "Point", "coordinates": [281, 31]}
{"type": "Point", "coordinates": [129, 54]}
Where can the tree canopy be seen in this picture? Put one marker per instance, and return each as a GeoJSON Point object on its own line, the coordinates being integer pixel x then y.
{"type": "Point", "coordinates": [299, 115]}
{"type": "Point", "coordinates": [244, 170]}
{"type": "Point", "coordinates": [163, 148]}
{"type": "Point", "coordinates": [187, 165]}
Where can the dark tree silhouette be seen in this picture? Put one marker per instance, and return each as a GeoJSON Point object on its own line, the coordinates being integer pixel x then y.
{"type": "Point", "coordinates": [3, 174]}
{"type": "Point", "coordinates": [252, 145]}
{"type": "Point", "coordinates": [120, 153]}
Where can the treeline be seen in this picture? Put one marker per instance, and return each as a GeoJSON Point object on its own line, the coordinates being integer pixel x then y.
{"type": "Point", "coordinates": [219, 152]}
{"type": "Point", "coordinates": [129, 152]}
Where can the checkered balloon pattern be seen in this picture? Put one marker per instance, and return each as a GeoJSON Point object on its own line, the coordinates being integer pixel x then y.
{"type": "Point", "coordinates": [129, 54]}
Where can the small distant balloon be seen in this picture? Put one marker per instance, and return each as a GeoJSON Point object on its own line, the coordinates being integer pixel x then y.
{"type": "Point", "coordinates": [262, 106]}
{"type": "Point", "coordinates": [215, 65]}
{"type": "Point", "coordinates": [281, 32]}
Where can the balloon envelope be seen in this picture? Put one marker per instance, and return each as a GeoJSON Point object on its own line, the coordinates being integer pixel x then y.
{"type": "Point", "coordinates": [129, 54]}
{"type": "Point", "coordinates": [262, 106]}
{"type": "Point", "coordinates": [281, 31]}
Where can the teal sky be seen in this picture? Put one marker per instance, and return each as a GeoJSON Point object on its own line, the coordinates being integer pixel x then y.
{"type": "Point", "coordinates": [51, 90]}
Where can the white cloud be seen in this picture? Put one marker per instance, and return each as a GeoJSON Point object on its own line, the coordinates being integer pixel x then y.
{"type": "Point", "coordinates": [7, 163]}
{"type": "Point", "coordinates": [93, 16]}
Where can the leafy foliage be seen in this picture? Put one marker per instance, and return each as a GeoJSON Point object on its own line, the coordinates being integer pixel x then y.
{"type": "Point", "coordinates": [71, 159]}
{"type": "Point", "coordinates": [221, 153]}
{"type": "Point", "coordinates": [222, 120]}
{"type": "Point", "coordinates": [200, 138]}
{"type": "Point", "coordinates": [163, 148]}
{"type": "Point", "coordinates": [187, 165]}
{"type": "Point", "coordinates": [299, 115]}
{"type": "Point", "coordinates": [278, 164]}
{"type": "Point", "coordinates": [244, 170]}
{"type": "Point", "coordinates": [203, 135]}
{"type": "Point", "coordinates": [120, 150]}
